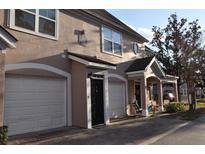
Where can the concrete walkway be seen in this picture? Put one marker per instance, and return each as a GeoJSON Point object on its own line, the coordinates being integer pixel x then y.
{"type": "Point", "coordinates": [133, 131]}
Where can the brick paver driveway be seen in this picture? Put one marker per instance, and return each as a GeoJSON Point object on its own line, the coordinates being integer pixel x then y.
{"type": "Point", "coordinates": [132, 131]}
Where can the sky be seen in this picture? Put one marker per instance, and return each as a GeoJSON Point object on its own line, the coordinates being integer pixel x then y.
{"type": "Point", "coordinates": [142, 20]}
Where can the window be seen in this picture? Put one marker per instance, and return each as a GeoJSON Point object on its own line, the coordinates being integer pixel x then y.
{"type": "Point", "coordinates": [112, 41]}
{"type": "Point", "coordinates": [25, 20]}
{"type": "Point", "coordinates": [135, 48]}
{"type": "Point", "coordinates": [42, 22]}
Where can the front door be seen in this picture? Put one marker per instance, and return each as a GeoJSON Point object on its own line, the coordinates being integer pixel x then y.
{"type": "Point", "coordinates": [97, 105]}
{"type": "Point", "coordinates": [138, 94]}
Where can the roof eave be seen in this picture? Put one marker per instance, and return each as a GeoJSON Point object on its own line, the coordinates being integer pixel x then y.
{"type": "Point", "coordinates": [8, 39]}
{"type": "Point", "coordinates": [91, 64]}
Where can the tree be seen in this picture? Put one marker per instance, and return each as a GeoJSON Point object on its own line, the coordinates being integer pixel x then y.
{"type": "Point", "coordinates": [179, 49]}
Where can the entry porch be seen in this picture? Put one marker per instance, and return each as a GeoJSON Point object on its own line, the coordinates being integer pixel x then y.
{"type": "Point", "coordinates": [145, 87]}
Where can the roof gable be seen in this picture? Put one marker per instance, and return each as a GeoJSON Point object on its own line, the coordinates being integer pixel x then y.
{"type": "Point", "coordinates": [139, 64]}
{"type": "Point", "coordinates": [143, 64]}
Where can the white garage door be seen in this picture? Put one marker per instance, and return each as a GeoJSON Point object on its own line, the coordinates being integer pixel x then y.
{"type": "Point", "coordinates": [117, 99]}
{"type": "Point", "coordinates": [34, 104]}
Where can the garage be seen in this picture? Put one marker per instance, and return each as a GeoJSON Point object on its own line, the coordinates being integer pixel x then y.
{"type": "Point", "coordinates": [117, 99]}
{"type": "Point", "coordinates": [34, 103]}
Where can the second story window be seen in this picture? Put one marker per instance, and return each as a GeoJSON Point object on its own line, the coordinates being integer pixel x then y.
{"type": "Point", "coordinates": [112, 41]}
{"type": "Point", "coordinates": [41, 22]}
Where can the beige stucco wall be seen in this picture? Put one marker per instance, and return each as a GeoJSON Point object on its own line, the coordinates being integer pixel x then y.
{"type": "Point", "coordinates": [33, 48]}
{"type": "Point", "coordinates": [131, 91]}
{"type": "Point", "coordinates": [30, 47]}
{"type": "Point", "coordinates": [79, 99]}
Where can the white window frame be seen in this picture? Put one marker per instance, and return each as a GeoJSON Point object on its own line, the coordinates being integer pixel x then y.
{"type": "Point", "coordinates": [36, 31]}
{"type": "Point", "coordinates": [102, 39]}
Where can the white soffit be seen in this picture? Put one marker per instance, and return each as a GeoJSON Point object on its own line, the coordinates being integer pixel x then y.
{"type": "Point", "coordinates": [88, 63]}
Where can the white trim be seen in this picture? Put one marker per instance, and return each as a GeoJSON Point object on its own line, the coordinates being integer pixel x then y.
{"type": "Point", "coordinates": [172, 76]}
{"type": "Point", "coordinates": [36, 31]}
{"type": "Point", "coordinates": [89, 110]}
{"type": "Point", "coordinates": [148, 66]}
{"type": "Point", "coordinates": [168, 81]}
{"type": "Point", "coordinates": [135, 72]}
{"type": "Point", "coordinates": [152, 75]}
{"type": "Point", "coordinates": [106, 98]}
{"type": "Point", "coordinates": [101, 65]}
{"type": "Point", "coordinates": [111, 75]}
{"type": "Point", "coordinates": [109, 53]}
{"type": "Point", "coordinates": [87, 63]}
{"type": "Point", "coordinates": [136, 75]}
{"type": "Point", "coordinates": [10, 44]}
{"type": "Point", "coordinates": [10, 67]}
{"type": "Point", "coordinates": [80, 60]}
{"type": "Point", "coordinates": [155, 60]}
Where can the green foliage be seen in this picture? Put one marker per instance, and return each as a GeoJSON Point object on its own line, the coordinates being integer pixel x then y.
{"type": "Point", "coordinates": [174, 107]}
{"type": "Point", "coordinates": [179, 47]}
{"type": "Point", "coordinates": [3, 135]}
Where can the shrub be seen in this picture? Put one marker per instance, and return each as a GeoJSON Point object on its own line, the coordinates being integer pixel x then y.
{"type": "Point", "coordinates": [3, 135]}
{"type": "Point", "coordinates": [174, 107]}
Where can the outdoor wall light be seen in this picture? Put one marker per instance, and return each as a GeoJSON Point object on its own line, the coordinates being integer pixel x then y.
{"type": "Point", "coordinates": [65, 54]}
{"type": "Point", "coordinates": [82, 40]}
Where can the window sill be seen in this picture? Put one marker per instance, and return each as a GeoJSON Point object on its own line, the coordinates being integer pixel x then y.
{"type": "Point", "coordinates": [120, 56]}
{"type": "Point", "coordinates": [33, 33]}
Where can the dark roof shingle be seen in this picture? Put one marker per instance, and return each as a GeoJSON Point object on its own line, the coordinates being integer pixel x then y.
{"type": "Point", "coordinates": [139, 64]}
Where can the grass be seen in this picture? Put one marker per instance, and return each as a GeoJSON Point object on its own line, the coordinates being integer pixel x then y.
{"type": "Point", "coordinates": [190, 115]}
{"type": "Point", "coordinates": [201, 100]}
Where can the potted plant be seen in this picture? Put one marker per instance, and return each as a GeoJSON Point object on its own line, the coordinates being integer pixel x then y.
{"type": "Point", "coordinates": [3, 135]}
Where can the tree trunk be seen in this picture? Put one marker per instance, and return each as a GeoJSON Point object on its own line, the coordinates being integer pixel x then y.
{"type": "Point", "coordinates": [191, 99]}
{"type": "Point", "coordinates": [179, 95]}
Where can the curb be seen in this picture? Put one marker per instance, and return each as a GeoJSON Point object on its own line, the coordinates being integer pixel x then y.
{"type": "Point", "coordinates": [158, 137]}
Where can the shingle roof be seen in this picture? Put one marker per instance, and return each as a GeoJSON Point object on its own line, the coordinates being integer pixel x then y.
{"type": "Point", "coordinates": [91, 59]}
{"type": "Point", "coordinates": [139, 64]}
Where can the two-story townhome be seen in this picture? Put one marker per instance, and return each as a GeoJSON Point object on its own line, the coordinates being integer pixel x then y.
{"type": "Point", "coordinates": [72, 68]}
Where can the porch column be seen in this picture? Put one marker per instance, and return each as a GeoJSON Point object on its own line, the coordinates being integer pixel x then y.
{"type": "Point", "coordinates": [2, 79]}
{"type": "Point", "coordinates": [144, 97]}
{"type": "Point", "coordinates": [131, 97]}
{"type": "Point", "coordinates": [89, 115]}
{"type": "Point", "coordinates": [176, 91]}
{"type": "Point", "coordinates": [160, 94]}
{"type": "Point", "coordinates": [106, 99]}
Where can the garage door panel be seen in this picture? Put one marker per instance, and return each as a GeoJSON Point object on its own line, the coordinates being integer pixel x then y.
{"type": "Point", "coordinates": [117, 112]}
{"type": "Point", "coordinates": [33, 104]}
{"type": "Point", "coordinates": [117, 99]}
